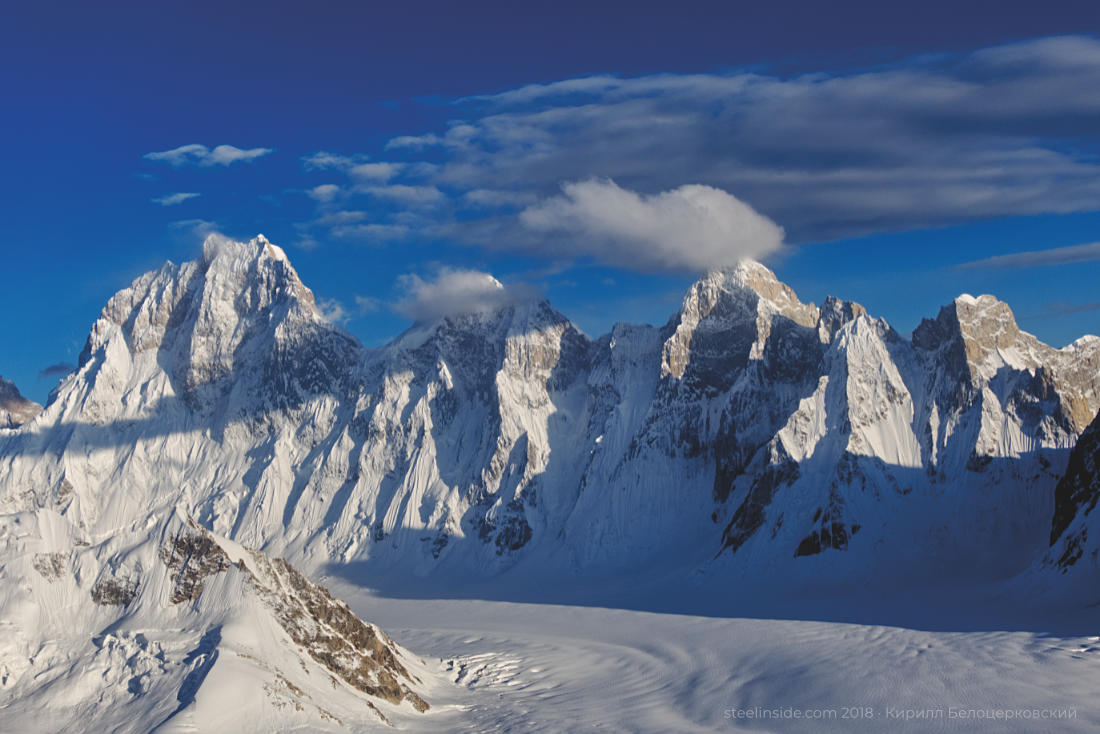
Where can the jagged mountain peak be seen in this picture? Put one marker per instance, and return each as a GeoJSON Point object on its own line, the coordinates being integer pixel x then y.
{"type": "Point", "coordinates": [230, 281]}
{"type": "Point", "coordinates": [258, 265]}
{"type": "Point", "coordinates": [477, 433]}
{"type": "Point", "coordinates": [834, 314]}
{"type": "Point", "coordinates": [985, 318]}
{"type": "Point", "coordinates": [15, 410]}
{"type": "Point", "coordinates": [982, 332]}
{"type": "Point", "coordinates": [235, 330]}
{"type": "Point", "coordinates": [495, 323]}
{"type": "Point", "coordinates": [742, 292]}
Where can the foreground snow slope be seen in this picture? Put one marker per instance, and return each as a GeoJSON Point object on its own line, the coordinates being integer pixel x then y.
{"type": "Point", "coordinates": [164, 626]}
{"type": "Point", "coordinates": [781, 437]}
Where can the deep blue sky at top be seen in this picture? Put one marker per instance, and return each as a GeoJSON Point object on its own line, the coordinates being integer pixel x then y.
{"type": "Point", "coordinates": [86, 90]}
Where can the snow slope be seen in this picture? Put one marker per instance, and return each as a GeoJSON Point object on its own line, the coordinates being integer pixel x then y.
{"type": "Point", "coordinates": [164, 626]}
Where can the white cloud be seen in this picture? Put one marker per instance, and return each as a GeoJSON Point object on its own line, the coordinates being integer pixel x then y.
{"type": "Point", "coordinates": [324, 193]}
{"type": "Point", "coordinates": [926, 141]}
{"type": "Point", "coordinates": [195, 227]}
{"type": "Point", "coordinates": [454, 292]}
{"type": "Point", "coordinates": [1039, 258]}
{"type": "Point", "coordinates": [358, 167]}
{"type": "Point", "coordinates": [332, 310]}
{"type": "Point", "coordinates": [323, 159]}
{"type": "Point", "coordinates": [379, 171]}
{"type": "Point", "coordinates": [173, 199]}
{"type": "Point", "coordinates": [413, 141]}
{"type": "Point", "coordinates": [199, 155]}
{"type": "Point", "coordinates": [688, 228]}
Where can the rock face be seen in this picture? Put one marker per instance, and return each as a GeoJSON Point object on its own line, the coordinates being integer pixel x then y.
{"type": "Point", "coordinates": [751, 434]}
{"type": "Point", "coordinates": [169, 626]}
{"type": "Point", "coordinates": [1073, 533]}
{"type": "Point", "coordinates": [15, 410]}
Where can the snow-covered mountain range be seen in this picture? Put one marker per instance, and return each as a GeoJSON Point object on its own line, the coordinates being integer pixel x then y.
{"type": "Point", "coordinates": [751, 429]}
{"type": "Point", "coordinates": [215, 410]}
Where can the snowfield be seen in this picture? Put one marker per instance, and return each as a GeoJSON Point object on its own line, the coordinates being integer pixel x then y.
{"type": "Point", "coordinates": [529, 667]}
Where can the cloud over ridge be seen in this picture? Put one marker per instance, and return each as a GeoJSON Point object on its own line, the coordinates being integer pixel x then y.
{"type": "Point", "coordinates": [689, 228]}
{"type": "Point", "coordinates": [456, 292]}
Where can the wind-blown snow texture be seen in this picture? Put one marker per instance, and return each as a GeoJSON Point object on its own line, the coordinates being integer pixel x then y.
{"type": "Point", "coordinates": [752, 436]}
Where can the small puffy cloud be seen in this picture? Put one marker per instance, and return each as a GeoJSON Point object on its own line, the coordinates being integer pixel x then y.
{"type": "Point", "coordinates": [417, 196]}
{"type": "Point", "coordinates": [336, 312]}
{"type": "Point", "coordinates": [689, 228]}
{"type": "Point", "coordinates": [332, 310]}
{"type": "Point", "coordinates": [196, 154]}
{"type": "Point", "coordinates": [1038, 258]}
{"type": "Point", "coordinates": [322, 160]}
{"type": "Point", "coordinates": [357, 167]}
{"type": "Point", "coordinates": [324, 193]}
{"type": "Point", "coordinates": [57, 370]}
{"type": "Point", "coordinates": [413, 141]}
{"type": "Point", "coordinates": [195, 227]}
{"type": "Point", "coordinates": [455, 292]}
{"type": "Point", "coordinates": [173, 199]}
{"type": "Point", "coordinates": [380, 171]}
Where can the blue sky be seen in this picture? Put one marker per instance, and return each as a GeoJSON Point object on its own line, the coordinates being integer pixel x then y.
{"type": "Point", "coordinates": [601, 153]}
